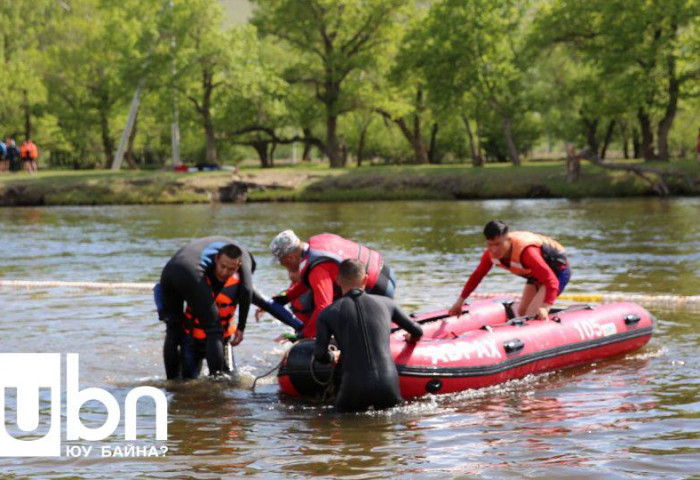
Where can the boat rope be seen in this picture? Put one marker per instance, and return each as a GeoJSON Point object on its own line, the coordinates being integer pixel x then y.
{"type": "Point", "coordinates": [276, 367]}
{"type": "Point", "coordinates": [610, 298]}
{"type": "Point", "coordinates": [575, 297]}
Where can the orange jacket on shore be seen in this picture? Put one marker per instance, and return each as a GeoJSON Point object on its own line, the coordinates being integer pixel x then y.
{"type": "Point", "coordinates": [28, 150]}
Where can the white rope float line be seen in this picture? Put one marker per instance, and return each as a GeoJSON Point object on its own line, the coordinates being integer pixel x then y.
{"type": "Point", "coordinates": [77, 285]}
{"type": "Point", "coordinates": [575, 297]}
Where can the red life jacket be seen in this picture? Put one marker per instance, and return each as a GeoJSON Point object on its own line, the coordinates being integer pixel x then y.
{"type": "Point", "coordinates": [225, 302]}
{"type": "Point", "coordinates": [328, 247]}
{"type": "Point", "coordinates": [552, 251]}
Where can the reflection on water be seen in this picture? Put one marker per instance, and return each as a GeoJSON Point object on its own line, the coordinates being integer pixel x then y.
{"type": "Point", "coordinates": [638, 415]}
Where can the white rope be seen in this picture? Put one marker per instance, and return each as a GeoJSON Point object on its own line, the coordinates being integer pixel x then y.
{"type": "Point", "coordinates": [575, 297]}
{"type": "Point", "coordinates": [77, 285]}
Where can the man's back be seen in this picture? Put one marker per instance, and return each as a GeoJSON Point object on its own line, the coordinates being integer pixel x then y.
{"type": "Point", "coordinates": [360, 323]}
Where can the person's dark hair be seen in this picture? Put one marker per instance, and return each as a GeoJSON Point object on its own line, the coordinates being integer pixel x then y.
{"type": "Point", "coordinates": [351, 270]}
{"type": "Point", "coordinates": [495, 228]}
{"type": "Point", "coordinates": [231, 251]}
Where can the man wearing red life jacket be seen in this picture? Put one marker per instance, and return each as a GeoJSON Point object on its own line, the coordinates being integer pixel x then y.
{"type": "Point", "coordinates": [539, 259]}
{"type": "Point", "coordinates": [316, 262]}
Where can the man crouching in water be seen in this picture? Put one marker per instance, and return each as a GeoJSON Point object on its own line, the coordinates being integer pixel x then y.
{"type": "Point", "coordinates": [360, 323]}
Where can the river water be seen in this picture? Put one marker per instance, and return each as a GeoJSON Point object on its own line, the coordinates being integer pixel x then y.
{"type": "Point", "coordinates": [631, 417]}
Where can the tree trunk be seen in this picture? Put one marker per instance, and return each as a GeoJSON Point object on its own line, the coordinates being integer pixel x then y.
{"type": "Point", "coordinates": [510, 143]}
{"type": "Point", "coordinates": [361, 145]}
{"type": "Point", "coordinates": [129, 154]}
{"type": "Point", "coordinates": [261, 148]}
{"type": "Point", "coordinates": [573, 164]}
{"type": "Point", "coordinates": [212, 156]}
{"type": "Point", "coordinates": [306, 155]}
{"type": "Point", "coordinates": [432, 149]}
{"type": "Point", "coordinates": [625, 138]}
{"type": "Point", "coordinates": [107, 143]}
{"type": "Point", "coordinates": [273, 148]}
{"type": "Point", "coordinates": [27, 116]}
{"type": "Point", "coordinates": [636, 145]}
{"type": "Point", "coordinates": [332, 148]}
{"type": "Point", "coordinates": [591, 127]}
{"type": "Point", "coordinates": [670, 113]}
{"type": "Point", "coordinates": [607, 139]}
{"type": "Point", "coordinates": [647, 144]}
{"type": "Point", "coordinates": [205, 111]}
{"type": "Point", "coordinates": [477, 159]}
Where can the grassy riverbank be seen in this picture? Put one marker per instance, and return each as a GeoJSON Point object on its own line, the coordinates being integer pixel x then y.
{"type": "Point", "coordinates": [318, 183]}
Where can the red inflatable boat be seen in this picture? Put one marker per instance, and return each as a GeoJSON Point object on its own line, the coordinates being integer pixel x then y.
{"type": "Point", "coordinates": [486, 346]}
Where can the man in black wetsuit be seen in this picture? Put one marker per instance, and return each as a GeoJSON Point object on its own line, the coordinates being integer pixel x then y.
{"type": "Point", "coordinates": [196, 275]}
{"type": "Point", "coordinates": [360, 323]}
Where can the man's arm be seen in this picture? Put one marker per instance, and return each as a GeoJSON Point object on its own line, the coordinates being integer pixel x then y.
{"type": "Point", "coordinates": [245, 295]}
{"type": "Point", "coordinates": [400, 318]}
{"type": "Point", "coordinates": [474, 280]}
{"type": "Point", "coordinates": [321, 279]}
{"type": "Point", "coordinates": [277, 310]}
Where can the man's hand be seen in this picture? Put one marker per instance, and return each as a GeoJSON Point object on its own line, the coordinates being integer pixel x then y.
{"type": "Point", "coordinates": [456, 309]}
{"type": "Point", "coordinates": [237, 337]}
{"type": "Point", "coordinates": [258, 314]}
{"type": "Point", "coordinates": [410, 338]}
{"type": "Point", "coordinates": [336, 356]}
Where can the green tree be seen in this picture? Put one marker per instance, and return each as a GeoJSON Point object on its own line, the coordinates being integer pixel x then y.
{"type": "Point", "coordinates": [646, 49]}
{"type": "Point", "coordinates": [335, 41]}
{"type": "Point", "coordinates": [477, 49]}
{"type": "Point", "coordinates": [90, 67]}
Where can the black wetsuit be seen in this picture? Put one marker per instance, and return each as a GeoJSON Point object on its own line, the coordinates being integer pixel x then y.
{"type": "Point", "coordinates": [184, 279]}
{"type": "Point", "coordinates": [360, 323]}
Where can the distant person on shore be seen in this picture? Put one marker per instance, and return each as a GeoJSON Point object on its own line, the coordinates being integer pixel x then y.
{"type": "Point", "coordinates": [539, 259]}
{"type": "Point", "coordinates": [316, 263]}
{"type": "Point", "coordinates": [12, 155]}
{"type": "Point", "coordinates": [29, 153]}
{"type": "Point", "coordinates": [361, 325]}
{"type": "Point", "coordinates": [4, 162]}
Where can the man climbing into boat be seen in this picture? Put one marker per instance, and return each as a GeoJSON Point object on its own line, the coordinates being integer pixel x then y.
{"type": "Point", "coordinates": [539, 259]}
{"type": "Point", "coordinates": [212, 276]}
{"type": "Point", "coordinates": [360, 323]}
{"type": "Point", "coordinates": [316, 262]}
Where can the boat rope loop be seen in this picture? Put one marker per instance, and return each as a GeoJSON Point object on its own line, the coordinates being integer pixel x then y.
{"type": "Point", "coordinates": [575, 297]}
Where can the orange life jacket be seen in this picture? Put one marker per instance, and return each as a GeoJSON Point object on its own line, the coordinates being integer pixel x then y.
{"type": "Point", "coordinates": [225, 302]}
{"type": "Point", "coordinates": [552, 251]}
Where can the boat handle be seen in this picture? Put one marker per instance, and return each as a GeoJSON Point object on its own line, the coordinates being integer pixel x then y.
{"type": "Point", "coordinates": [512, 346]}
{"type": "Point", "coordinates": [632, 318]}
{"type": "Point", "coordinates": [519, 321]}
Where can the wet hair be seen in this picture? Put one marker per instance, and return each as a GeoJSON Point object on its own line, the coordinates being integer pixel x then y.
{"type": "Point", "coordinates": [231, 251]}
{"type": "Point", "coordinates": [351, 270]}
{"type": "Point", "coordinates": [495, 228]}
